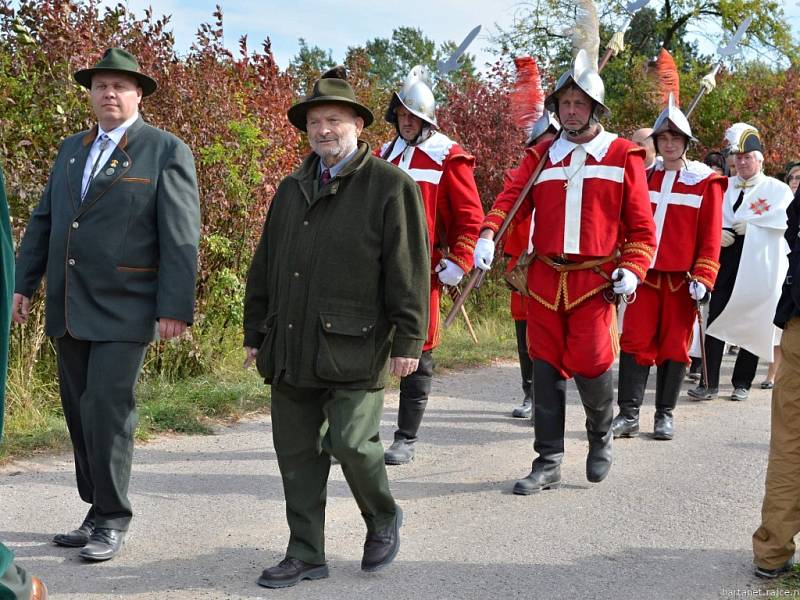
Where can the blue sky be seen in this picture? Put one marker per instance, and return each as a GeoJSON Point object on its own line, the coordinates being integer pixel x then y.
{"type": "Point", "coordinates": [355, 21]}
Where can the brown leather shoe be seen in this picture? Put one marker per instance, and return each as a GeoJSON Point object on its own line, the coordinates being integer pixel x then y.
{"type": "Point", "coordinates": [381, 547]}
{"type": "Point", "coordinates": [38, 589]}
{"type": "Point", "coordinates": [77, 538]}
{"type": "Point", "coordinates": [104, 544]}
{"type": "Point", "coordinates": [290, 571]}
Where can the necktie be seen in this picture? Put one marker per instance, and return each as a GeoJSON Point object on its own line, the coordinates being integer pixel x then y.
{"type": "Point", "coordinates": [326, 176]}
{"type": "Point", "coordinates": [738, 202]}
{"type": "Point", "coordinates": [104, 141]}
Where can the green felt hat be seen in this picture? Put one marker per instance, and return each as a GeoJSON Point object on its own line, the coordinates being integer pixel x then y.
{"type": "Point", "coordinates": [117, 59]}
{"type": "Point", "coordinates": [331, 88]}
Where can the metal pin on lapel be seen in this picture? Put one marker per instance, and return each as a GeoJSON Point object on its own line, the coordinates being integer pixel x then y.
{"type": "Point", "coordinates": [109, 171]}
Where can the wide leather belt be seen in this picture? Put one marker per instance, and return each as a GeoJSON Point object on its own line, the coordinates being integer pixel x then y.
{"type": "Point", "coordinates": [562, 263]}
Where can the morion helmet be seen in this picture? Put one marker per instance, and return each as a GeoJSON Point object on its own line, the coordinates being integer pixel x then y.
{"type": "Point", "coordinates": [583, 74]}
{"type": "Point", "coordinates": [416, 96]}
{"type": "Point", "coordinates": [673, 119]}
{"type": "Point", "coordinates": [547, 122]}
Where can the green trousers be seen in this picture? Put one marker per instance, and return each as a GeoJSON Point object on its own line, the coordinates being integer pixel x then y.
{"type": "Point", "coordinates": [97, 381]}
{"type": "Point", "coordinates": [304, 455]}
{"type": "Point", "coordinates": [14, 581]}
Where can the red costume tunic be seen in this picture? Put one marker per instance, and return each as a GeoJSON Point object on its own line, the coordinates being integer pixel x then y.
{"type": "Point", "coordinates": [591, 204]}
{"type": "Point", "coordinates": [443, 171]}
{"type": "Point", "coordinates": [687, 210]}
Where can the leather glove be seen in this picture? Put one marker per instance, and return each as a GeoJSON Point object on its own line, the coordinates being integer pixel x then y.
{"type": "Point", "coordinates": [449, 272]}
{"type": "Point", "coordinates": [727, 238]}
{"type": "Point", "coordinates": [697, 290]}
{"type": "Point", "coordinates": [625, 281]}
{"type": "Point", "coordinates": [483, 254]}
{"type": "Point", "coordinates": [740, 227]}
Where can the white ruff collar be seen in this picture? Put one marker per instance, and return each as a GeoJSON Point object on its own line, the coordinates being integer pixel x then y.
{"type": "Point", "coordinates": [596, 147]}
{"type": "Point", "coordinates": [694, 172]}
{"type": "Point", "coordinates": [437, 147]}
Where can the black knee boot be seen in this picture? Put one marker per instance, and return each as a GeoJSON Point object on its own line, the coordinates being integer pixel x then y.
{"type": "Point", "coordinates": [414, 391]}
{"type": "Point", "coordinates": [632, 384]}
{"type": "Point", "coordinates": [668, 388]}
{"type": "Point", "coordinates": [597, 395]}
{"type": "Point", "coordinates": [525, 410]}
{"type": "Point", "coordinates": [549, 403]}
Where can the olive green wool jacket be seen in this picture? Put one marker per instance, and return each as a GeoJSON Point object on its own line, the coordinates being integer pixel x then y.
{"type": "Point", "coordinates": [340, 279]}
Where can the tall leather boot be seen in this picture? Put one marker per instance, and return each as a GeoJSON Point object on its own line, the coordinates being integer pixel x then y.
{"type": "Point", "coordinates": [632, 385]}
{"type": "Point", "coordinates": [597, 395]}
{"type": "Point", "coordinates": [668, 388]}
{"type": "Point", "coordinates": [549, 404]}
{"type": "Point", "coordinates": [414, 391]}
{"type": "Point", "coordinates": [525, 410]}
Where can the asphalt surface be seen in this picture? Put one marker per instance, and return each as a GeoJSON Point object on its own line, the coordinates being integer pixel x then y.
{"type": "Point", "coordinates": [672, 520]}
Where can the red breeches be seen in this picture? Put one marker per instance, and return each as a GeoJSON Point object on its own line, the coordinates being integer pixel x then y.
{"type": "Point", "coordinates": [581, 341]}
{"type": "Point", "coordinates": [658, 325]}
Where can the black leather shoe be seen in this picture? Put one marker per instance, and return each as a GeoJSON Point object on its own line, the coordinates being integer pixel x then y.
{"type": "Point", "coordinates": [381, 547]}
{"type": "Point", "coordinates": [77, 538]}
{"type": "Point", "coordinates": [625, 426]}
{"type": "Point", "coordinates": [540, 478]}
{"type": "Point", "coordinates": [525, 410]}
{"type": "Point", "coordinates": [289, 572]}
{"type": "Point", "coordinates": [663, 426]}
{"type": "Point", "coordinates": [104, 544]}
{"type": "Point", "coordinates": [401, 452]}
{"type": "Point", "coordinates": [774, 573]}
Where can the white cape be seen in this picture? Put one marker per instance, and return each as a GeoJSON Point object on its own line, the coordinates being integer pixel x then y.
{"type": "Point", "coordinates": [746, 320]}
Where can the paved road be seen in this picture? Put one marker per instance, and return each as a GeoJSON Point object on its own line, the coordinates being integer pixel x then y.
{"type": "Point", "coordinates": [673, 519]}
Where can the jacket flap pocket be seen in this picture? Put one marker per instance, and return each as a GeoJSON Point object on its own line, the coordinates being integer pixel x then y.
{"type": "Point", "coordinates": [354, 325]}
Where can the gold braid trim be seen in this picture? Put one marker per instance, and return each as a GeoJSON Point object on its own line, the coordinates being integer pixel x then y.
{"type": "Point", "coordinates": [496, 212]}
{"type": "Point", "coordinates": [657, 284]}
{"type": "Point", "coordinates": [707, 263]}
{"type": "Point", "coordinates": [704, 280]}
{"type": "Point", "coordinates": [681, 282]}
{"type": "Point", "coordinates": [562, 290]}
{"type": "Point", "coordinates": [640, 271]}
{"type": "Point", "coordinates": [570, 305]}
{"type": "Point", "coordinates": [465, 266]}
{"type": "Point", "coordinates": [466, 241]}
{"type": "Point", "coordinates": [639, 251]}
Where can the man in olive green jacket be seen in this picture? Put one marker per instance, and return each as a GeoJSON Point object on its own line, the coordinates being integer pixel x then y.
{"type": "Point", "coordinates": [116, 234]}
{"type": "Point", "coordinates": [337, 297]}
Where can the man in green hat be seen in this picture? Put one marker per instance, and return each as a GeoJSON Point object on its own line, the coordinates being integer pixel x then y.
{"type": "Point", "coordinates": [15, 583]}
{"type": "Point", "coordinates": [337, 297]}
{"type": "Point", "coordinates": [116, 233]}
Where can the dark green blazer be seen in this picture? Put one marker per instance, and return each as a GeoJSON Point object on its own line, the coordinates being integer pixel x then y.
{"type": "Point", "coordinates": [127, 255]}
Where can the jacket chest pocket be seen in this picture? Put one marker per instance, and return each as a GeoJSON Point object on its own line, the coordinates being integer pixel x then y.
{"type": "Point", "coordinates": [346, 347]}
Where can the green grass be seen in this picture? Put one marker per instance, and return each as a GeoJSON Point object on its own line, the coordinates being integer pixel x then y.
{"type": "Point", "coordinates": [35, 422]}
{"type": "Point", "coordinates": [789, 582]}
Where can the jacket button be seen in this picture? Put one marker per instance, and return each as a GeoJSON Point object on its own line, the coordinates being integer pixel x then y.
{"type": "Point", "coordinates": [327, 325]}
{"type": "Point", "coordinates": [296, 274]}
{"type": "Point", "coordinates": [290, 326]}
{"type": "Point", "coordinates": [75, 225]}
{"type": "Point", "coordinates": [71, 262]}
{"type": "Point", "coordinates": [305, 222]}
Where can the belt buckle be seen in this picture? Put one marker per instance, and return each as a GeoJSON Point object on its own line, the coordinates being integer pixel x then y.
{"type": "Point", "coordinates": [561, 260]}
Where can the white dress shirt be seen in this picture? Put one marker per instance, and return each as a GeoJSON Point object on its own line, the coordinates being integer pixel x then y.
{"type": "Point", "coordinates": [114, 136]}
